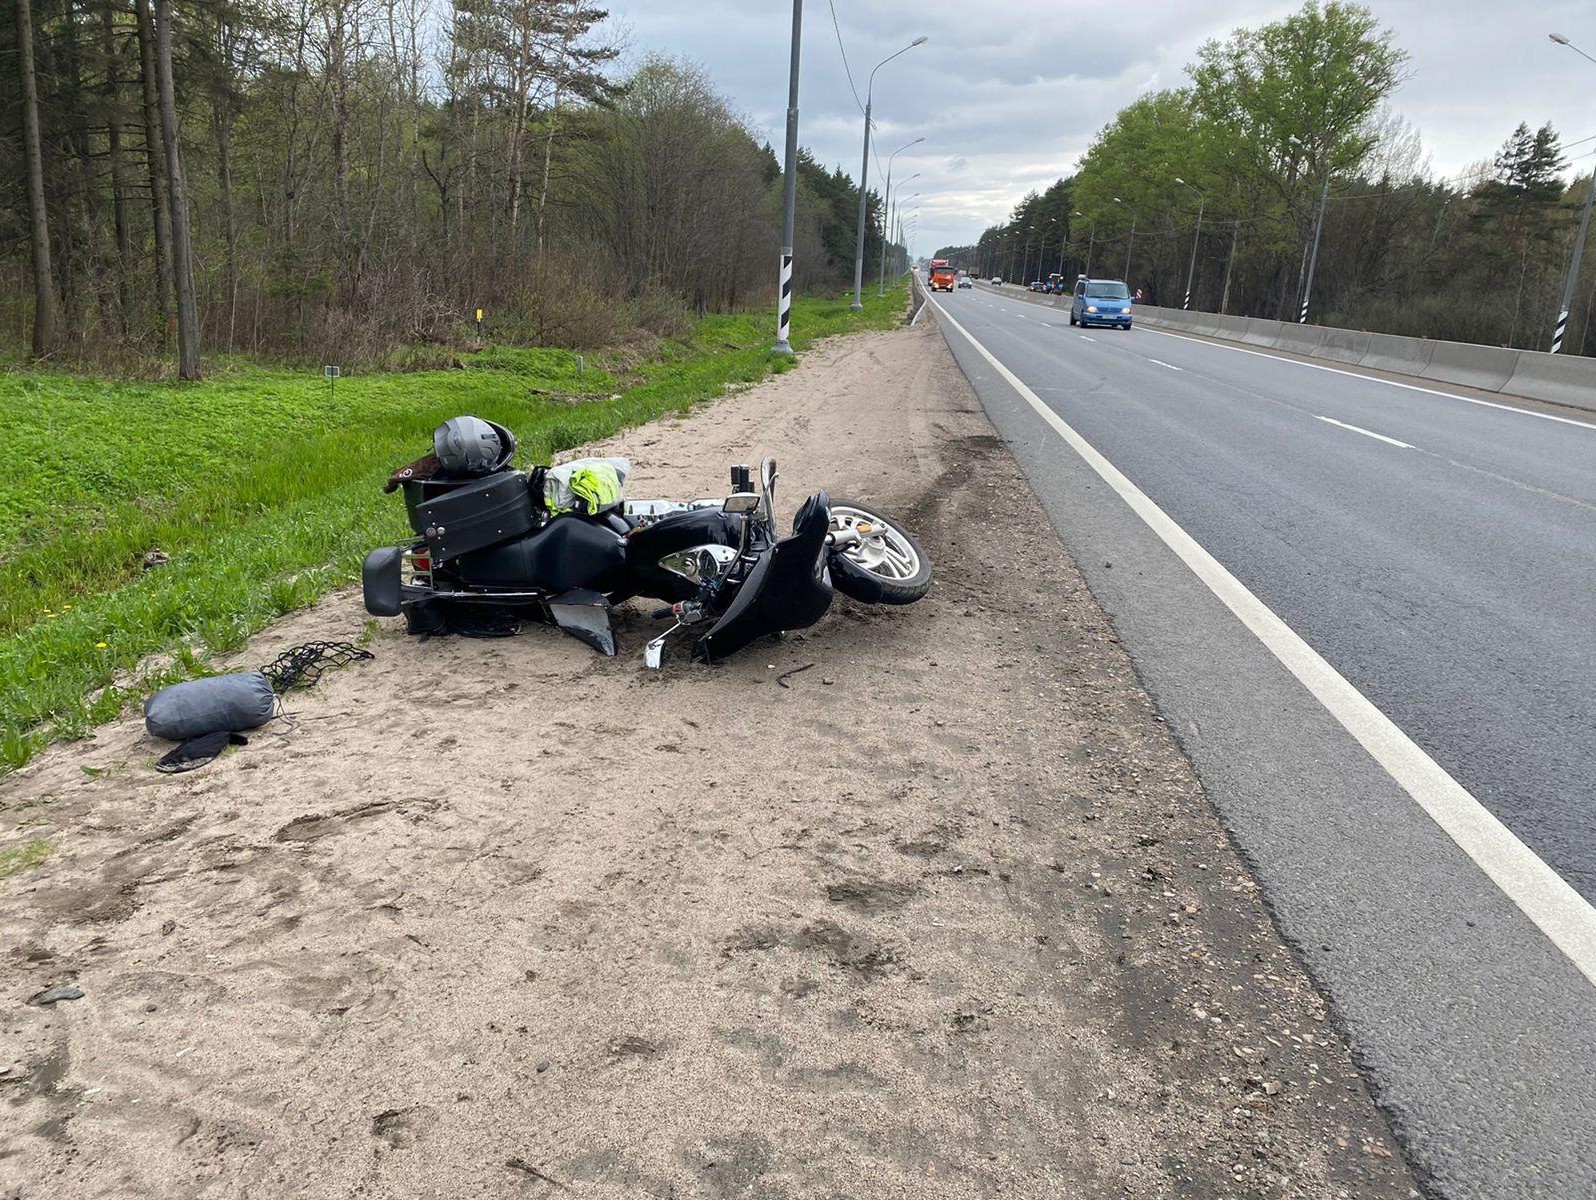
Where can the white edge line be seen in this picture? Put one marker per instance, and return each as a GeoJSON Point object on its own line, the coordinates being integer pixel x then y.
{"type": "Point", "coordinates": [1365, 432]}
{"type": "Point", "coordinates": [1543, 896]}
{"type": "Point", "coordinates": [1412, 387]}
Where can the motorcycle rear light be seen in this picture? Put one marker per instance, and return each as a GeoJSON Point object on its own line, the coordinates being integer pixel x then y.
{"type": "Point", "coordinates": [422, 562]}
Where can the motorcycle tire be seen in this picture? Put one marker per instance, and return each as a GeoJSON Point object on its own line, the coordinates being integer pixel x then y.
{"type": "Point", "coordinates": [893, 570]}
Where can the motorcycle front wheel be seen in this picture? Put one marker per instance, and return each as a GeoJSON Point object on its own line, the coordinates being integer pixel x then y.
{"type": "Point", "coordinates": [886, 566]}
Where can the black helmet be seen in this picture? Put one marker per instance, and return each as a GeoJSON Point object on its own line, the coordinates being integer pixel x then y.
{"type": "Point", "coordinates": [472, 446]}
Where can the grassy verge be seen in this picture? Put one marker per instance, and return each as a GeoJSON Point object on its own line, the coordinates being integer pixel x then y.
{"type": "Point", "coordinates": [265, 491]}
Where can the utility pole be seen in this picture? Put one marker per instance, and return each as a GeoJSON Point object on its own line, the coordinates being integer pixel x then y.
{"type": "Point", "coordinates": [1235, 234]}
{"type": "Point", "coordinates": [789, 192]}
{"type": "Point", "coordinates": [1573, 268]}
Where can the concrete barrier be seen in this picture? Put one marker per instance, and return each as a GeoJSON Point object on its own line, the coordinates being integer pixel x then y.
{"type": "Point", "coordinates": [1558, 378]}
{"type": "Point", "coordinates": [1207, 324]}
{"type": "Point", "coordinates": [1299, 339]}
{"type": "Point", "coordinates": [1343, 345]}
{"type": "Point", "coordinates": [1231, 328]}
{"type": "Point", "coordinates": [1260, 331]}
{"type": "Point", "coordinates": [1402, 355]}
{"type": "Point", "coordinates": [1485, 367]}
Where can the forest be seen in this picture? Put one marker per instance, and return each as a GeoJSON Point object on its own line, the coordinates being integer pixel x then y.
{"type": "Point", "coordinates": [1221, 181]}
{"type": "Point", "coordinates": [351, 180]}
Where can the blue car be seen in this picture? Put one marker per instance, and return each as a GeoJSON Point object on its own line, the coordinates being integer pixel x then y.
{"type": "Point", "coordinates": [1101, 302]}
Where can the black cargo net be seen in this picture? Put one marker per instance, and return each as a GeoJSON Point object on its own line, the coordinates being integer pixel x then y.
{"type": "Point", "coordinates": [302, 666]}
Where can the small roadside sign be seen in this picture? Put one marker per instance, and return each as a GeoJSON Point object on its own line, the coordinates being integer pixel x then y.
{"type": "Point", "coordinates": [331, 373]}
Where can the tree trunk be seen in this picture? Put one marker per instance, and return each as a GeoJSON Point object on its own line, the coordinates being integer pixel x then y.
{"type": "Point", "coordinates": [86, 221]}
{"type": "Point", "coordinates": [44, 314]}
{"type": "Point", "coordinates": [337, 91]}
{"type": "Point", "coordinates": [155, 153]}
{"type": "Point", "coordinates": [188, 347]}
{"type": "Point", "coordinates": [119, 182]}
{"type": "Point", "coordinates": [223, 116]}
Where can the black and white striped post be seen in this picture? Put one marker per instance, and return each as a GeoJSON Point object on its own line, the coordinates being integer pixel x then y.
{"type": "Point", "coordinates": [789, 193]}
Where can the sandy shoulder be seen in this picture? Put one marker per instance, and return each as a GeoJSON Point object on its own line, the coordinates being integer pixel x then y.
{"type": "Point", "coordinates": [947, 916]}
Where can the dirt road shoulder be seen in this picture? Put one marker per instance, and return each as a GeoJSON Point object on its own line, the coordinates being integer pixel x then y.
{"type": "Point", "coordinates": [944, 915]}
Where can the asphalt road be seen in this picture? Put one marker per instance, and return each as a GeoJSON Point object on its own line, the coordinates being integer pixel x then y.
{"type": "Point", "coordinates": [1440, 554]}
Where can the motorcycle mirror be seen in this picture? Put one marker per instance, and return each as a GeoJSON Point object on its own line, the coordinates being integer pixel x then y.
{"type": "Point", "coordinates": [742, 502]}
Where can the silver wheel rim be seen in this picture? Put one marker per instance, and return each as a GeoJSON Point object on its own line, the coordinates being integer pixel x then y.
{"type": "Point", "coordinates": [884, 551]}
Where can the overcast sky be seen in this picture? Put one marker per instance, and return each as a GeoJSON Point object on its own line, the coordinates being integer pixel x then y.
{"type": "Point", "coordinates": [1008, 93]}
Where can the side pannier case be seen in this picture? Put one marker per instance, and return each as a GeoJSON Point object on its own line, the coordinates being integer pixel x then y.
{"type": "Point", "coordinates": [474, 515]}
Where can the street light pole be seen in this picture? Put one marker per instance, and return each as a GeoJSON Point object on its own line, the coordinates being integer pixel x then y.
{"type": "Point", "coordinates": [886, 206]}
{"type": "Point", "coordinates": [789, 192]}
{"type": "Point", "coordinates": [864, 179]}
{"type": "Point", "coordinates": [897, 224]}
{"type": "Point", "coordinates": [1313, 259]}
{"type": "Point", "coordinates": [1579, 240]}
{"type": "Point", "coordinates": [1090, 245]}
{"type": "Point", "coordinates": [1191, 271]}
{"type": "Point", "coordinates": [1129, 246]}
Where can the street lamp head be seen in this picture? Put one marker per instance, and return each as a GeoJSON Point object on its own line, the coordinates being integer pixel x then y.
{"type": "Point", "coordinates": [1178, 179]}
{"type": "Point", "coordinates": [920, 41]}
{"type": "Point", "coordinates": [1558, 38]}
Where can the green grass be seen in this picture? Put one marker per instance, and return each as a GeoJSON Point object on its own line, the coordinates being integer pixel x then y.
{"type": "Point", "coordinates": [266, 491]}
{"type": "Point", "coordinates": [20, 858]}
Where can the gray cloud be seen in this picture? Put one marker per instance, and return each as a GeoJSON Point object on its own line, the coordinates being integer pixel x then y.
{"type": "Point", "coordinates": [1008, 93]}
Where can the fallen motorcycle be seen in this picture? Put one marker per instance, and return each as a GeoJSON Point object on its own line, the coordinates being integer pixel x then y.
{"type": "Point", "coordinates": [495, 545]}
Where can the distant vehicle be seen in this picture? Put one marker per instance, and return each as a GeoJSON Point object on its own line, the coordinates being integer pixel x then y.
{"type": "Point", "coordinates": [1101, 302]}
{"type": "Point", "coordinates": [997, 281]}
{"type": "Point", "coordinates": [964, 281]}
{"type": "Point", "coordinates": [942, 276]}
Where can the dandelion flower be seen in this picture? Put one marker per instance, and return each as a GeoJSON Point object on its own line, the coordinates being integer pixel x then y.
{"type": "Point", "coordinates": [99, 645]}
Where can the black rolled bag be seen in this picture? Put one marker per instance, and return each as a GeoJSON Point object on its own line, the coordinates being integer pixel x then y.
{"type": "Point", "coordinates": [220, 703]}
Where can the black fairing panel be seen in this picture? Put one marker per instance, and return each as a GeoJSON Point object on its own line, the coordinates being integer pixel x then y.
{"type": "Point", "coordinates": [679, 531]}
{"type": "Point", "coordinates": [569, 552]}
{"type": "Point", "coordinates": [790, 588]}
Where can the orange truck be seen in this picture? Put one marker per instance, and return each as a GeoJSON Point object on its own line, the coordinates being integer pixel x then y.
{"type": "Point", "coordinates": [942, 276]}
